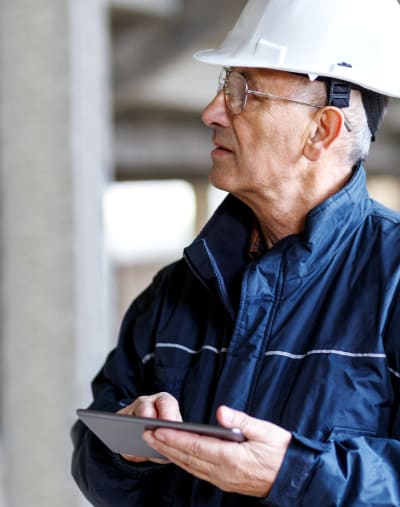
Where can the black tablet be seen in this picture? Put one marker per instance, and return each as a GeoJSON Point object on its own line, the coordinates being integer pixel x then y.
{"type": "Point", "coordinates": [123, 433]}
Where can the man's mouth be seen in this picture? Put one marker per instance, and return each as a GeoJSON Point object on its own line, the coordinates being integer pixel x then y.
{"type": "Point", "coordinates": [221, 148]}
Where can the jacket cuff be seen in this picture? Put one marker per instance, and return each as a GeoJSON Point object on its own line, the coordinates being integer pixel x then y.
{"type": "Point", "coordinates": [295, 472]}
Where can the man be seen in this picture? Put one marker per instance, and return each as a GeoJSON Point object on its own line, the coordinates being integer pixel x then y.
{"type": "Point", "coordinates": [283, 317]}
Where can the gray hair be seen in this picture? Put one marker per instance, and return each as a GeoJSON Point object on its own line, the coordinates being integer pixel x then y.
{"type": "Point", "coordinates": [357, 143]}
{"type": "Point", "coordinates": [360, 137]}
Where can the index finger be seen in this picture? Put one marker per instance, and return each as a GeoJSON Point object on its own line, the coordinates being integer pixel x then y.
{"type": "Point", "coordinates": [180, 445]}
{"type": "Point", "coordinates": [167, 407]}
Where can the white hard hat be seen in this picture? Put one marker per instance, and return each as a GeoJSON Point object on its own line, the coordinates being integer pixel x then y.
{"type": "Point", "coordinates": [356, 41]}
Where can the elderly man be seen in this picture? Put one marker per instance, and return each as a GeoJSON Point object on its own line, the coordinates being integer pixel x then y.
{"type": "Point", "coordinates": [283, 316]}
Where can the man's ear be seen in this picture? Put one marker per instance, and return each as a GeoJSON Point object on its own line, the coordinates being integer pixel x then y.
{"type": "Point", "coordinates": [328, 124]}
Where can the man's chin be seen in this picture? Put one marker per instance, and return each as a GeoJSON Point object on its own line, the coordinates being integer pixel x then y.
{"type": "Point", "coordinates": [220, 179]}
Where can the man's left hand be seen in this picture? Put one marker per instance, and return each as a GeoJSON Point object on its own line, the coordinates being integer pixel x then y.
{"type": "Point", "coordinates": [248, 468]}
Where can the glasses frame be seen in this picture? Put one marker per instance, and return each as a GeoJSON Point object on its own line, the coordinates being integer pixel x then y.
{"type": "Point", "coordinates": [223, 82]}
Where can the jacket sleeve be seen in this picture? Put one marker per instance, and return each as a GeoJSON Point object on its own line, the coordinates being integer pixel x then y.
{"type": "Point", "coordinates": [359, 471]}
{"type": "Point", "coordinates": [104, 477]}
{"type": "Point", "coordinates": [356, 472]}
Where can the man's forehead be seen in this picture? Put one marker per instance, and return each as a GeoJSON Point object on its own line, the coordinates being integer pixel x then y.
{"type": "Point", "coordinates": [256, 74]}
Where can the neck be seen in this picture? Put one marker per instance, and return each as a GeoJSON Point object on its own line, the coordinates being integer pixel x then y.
{"type": "Point", "coordinates": [282, 210]}
{"type": "Point", "coordinates": [281, 219]}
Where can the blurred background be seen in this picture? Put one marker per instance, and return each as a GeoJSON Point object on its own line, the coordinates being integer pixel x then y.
{"type": "Point", "coordinates": [103, 166]}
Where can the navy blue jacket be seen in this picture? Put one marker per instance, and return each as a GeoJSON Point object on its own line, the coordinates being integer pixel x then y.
{"type": "Point", "coordinates": [306, 336]}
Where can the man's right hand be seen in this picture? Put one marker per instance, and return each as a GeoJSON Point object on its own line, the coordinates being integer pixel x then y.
{"type": "Point", "coordinates": [158, 406]}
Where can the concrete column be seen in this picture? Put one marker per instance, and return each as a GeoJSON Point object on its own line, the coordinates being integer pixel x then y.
{"type": "Point", "coordinates": [201, 189]}
{"type": "Point", "coordinates": [385, 189]}
{"type": "Point", "coordinates": [55, 161]}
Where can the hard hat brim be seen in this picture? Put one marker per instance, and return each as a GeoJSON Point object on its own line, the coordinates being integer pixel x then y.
{"type": "Point", "coordinates": [226, 59]}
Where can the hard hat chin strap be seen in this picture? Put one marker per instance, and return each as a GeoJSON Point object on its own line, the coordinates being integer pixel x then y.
{"type": "Point", "coordinates": [375, 105]}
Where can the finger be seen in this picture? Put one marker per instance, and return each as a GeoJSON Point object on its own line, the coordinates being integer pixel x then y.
{"type": "Point", "coordinates": [142, 407]}
{"type": "Point", "coordinates": [230, 418]}
{"type": "Point", "coordinates": [252, 428]}
{"type": "Point", "coordinates": [142, 459]}
{"type": "Point", "coordinates": [186, 449]}
{"type": "Point", "coordinates": [133, 459]}
{"type": "Point", "coordinates": [204, 457]}
{"type": "Point", "coordinates": [167, 407]}
{"type": "Point", "coordinates": [128, 410]}
{"type": "Point", "coordinates": [159, 461]}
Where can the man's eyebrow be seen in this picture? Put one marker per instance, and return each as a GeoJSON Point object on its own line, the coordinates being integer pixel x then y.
{"type": "Point", "coordinates": [250, 78]}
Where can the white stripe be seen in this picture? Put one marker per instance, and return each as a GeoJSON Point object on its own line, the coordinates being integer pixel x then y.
{"type": "Point", "coordinates": [147, 358]}
{"type": "Point", "coordinates": [322, 351]}
{"type": "Point", "coordinates": [150, 356]}
{"type": "Point", "coordinates": [395, 373]}
{"type": "Point", "coordinates": [283, 353]}
{"type": "Point", "coordinates": [190, 351]}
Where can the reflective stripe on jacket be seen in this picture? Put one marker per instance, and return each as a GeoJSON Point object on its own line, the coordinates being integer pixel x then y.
{"type": "Point", "coordinates": [306, 336]}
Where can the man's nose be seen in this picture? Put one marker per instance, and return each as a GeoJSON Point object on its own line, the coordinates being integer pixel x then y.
{"type": "Point", "coordinates": [216, 112]}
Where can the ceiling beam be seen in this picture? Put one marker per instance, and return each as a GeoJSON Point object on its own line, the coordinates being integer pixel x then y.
{"type": "Point", "coordinates": [163, 8]}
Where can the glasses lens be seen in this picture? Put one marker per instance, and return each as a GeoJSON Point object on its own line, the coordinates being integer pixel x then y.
{"type": "Point", "coordinates": [222, 80]}
{"type": "Point", "coordinates": [235, 92]}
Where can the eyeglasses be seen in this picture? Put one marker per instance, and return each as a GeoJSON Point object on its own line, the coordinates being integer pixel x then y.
{"type": "Point", "coordinates": [236, 90]}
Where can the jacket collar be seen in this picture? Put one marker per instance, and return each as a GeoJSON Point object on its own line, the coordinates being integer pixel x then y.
{"type": "Point", "coordinates": [219, 254]}
{"type": "Point", "coordinates": [330, 225]}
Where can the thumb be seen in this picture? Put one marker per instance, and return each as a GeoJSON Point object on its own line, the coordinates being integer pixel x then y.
{"type": "Point", "coordinates": [230, 418]}
{"type": "Point", "coordinates": [252, 428]}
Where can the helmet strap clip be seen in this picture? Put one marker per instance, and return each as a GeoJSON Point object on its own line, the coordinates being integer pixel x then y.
{"type": "Point", "coordinates": [338, 93]}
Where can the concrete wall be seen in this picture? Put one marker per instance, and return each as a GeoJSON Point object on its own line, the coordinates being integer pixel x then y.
{"type": "Point", "coordinates": [55, 161]}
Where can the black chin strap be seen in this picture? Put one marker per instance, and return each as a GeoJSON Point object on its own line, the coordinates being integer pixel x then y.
{"type": "Point", "coordinates": [374, 105]}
